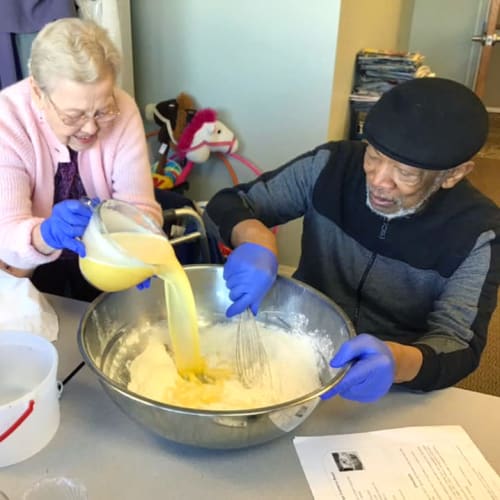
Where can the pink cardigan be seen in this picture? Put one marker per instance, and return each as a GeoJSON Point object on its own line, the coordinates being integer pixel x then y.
{"type": "Point", "coordinates": [116, 166]}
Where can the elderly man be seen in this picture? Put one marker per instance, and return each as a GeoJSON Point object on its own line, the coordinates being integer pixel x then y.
{"type": "Point", "coordinates": [392, 232]}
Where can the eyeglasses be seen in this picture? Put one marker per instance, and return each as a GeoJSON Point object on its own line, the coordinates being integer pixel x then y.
{"type": "Point", "coordinates": [81, 118]}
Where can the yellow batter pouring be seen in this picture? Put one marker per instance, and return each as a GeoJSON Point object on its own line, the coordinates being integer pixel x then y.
{"type": "Point", "coordinates": [157, 257]}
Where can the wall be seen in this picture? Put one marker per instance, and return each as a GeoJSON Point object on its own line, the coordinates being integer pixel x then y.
{"type": "Point", "coordinates": [443, 32]}
{"type": "Point", "coordinates": [266, 67]}
{"type": "Point", "coordinates": [380, 24]}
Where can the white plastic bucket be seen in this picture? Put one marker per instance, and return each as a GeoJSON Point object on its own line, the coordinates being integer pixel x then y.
{"type": "Point", "coordinates": [29, 395]}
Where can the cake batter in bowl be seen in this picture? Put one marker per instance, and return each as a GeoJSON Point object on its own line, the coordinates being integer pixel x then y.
{"type": "Point", "coordinates": [302, 330]}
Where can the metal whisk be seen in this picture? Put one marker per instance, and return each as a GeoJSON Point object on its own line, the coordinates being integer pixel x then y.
{"type": "Point", "coordinates": [252, 363]}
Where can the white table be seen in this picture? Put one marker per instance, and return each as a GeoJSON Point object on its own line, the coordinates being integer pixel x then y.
{"type": "Point", "coordinates": [118, 459]}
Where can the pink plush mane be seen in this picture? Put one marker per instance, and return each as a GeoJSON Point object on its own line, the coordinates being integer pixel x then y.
{"type": "Point", "coordinates": [199, 119]}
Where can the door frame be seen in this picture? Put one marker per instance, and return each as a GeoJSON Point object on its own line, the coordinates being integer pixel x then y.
{"type": "Point", "coordinates": [487, 48]}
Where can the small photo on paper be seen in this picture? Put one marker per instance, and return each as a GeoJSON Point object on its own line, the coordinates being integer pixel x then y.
{"type": "Point", "coordinates": [347, 461]}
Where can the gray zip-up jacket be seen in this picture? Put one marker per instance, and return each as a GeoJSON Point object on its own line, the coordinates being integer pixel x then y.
{"type": "Point", "coordinates": [429, 279]}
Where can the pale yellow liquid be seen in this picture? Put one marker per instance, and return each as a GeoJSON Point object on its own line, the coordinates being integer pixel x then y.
{"type": "Point", "coordinates": [159, 259]}
{"type": "Point", "coordinates": [111, 278]}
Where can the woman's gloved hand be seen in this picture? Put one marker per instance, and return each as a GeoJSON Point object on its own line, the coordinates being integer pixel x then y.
{"type": "Point", "coordinates": [144, 285]}
{"type": "Point", "coordinates": [371, 374]}
{"type": "Point", "coordinates": [68, 221]}
{"type": "Point", "coordinates": [249, 272]}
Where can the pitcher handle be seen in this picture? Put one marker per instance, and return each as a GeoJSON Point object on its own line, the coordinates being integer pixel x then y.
{"type": "Point", "coordinates": [19, 421]}
{"type": "Point", "coordinates": [90, 202]}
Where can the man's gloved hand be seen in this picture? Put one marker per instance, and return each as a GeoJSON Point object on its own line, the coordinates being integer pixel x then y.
{"type": "Point", "coordinates": [249, 272]}
{"type": "Point", "coordinates": [372, 372]}
{"type": "Point", "coordinates": [68, 221]}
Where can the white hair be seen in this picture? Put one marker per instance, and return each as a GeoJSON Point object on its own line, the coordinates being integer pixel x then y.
{"type": "Point", "coordinates": [75, 49]}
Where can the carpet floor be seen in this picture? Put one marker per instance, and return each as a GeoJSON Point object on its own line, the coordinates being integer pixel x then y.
{"type": "Point", "coordinates": [491, 149]}
{"type": "Point", "coordinates": [486, 177]}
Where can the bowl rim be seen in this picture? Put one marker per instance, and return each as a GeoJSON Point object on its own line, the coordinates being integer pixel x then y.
{"type": "Point", "coordinates": [103, 378]}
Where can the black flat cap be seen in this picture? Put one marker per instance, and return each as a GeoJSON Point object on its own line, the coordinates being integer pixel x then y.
{"type": "Point", "coordinates": [430, 123]}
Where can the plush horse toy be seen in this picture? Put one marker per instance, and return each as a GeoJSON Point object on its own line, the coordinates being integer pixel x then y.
{"type": "Point", "coordinates": [204, 134]}
{"type": "Point", "coordinates": [171, 116]}
{"type": "Point", "coordinates": [192, 135]}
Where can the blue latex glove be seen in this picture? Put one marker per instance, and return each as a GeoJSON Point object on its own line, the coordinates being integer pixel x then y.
{"type": "Point", "coordinates": [371, 374]}
{"type": "Point", "coordinates": [68, 221]}
{"type": "Point", "coordinates": [143, 285]}
{"type": "Point", "coordinates": [249, 272]}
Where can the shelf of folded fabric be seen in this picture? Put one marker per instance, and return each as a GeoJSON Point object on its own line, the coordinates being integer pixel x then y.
{"type": "Point", "coordinates": [378, 71]}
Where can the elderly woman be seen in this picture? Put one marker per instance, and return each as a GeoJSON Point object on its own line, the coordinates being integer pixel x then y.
{"type": "Point", "coordinates": [66, 132]}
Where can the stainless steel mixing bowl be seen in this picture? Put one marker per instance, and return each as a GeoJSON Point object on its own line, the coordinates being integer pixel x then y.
{"type": "Point", "coordinates": [108, 350]}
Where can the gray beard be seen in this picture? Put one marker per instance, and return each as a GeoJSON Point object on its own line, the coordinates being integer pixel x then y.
{"type": "Point", "coordinates": [401, 212]}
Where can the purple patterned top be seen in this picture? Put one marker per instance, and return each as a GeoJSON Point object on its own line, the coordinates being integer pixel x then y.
{"type": "Point", "coordinates": [68, 186]}
{"type": "Point", "coordinates": [67, 182]}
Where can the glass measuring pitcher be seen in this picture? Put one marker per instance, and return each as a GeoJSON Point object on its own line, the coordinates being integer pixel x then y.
{"type": "Point", "coordinates": [124, 246]}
